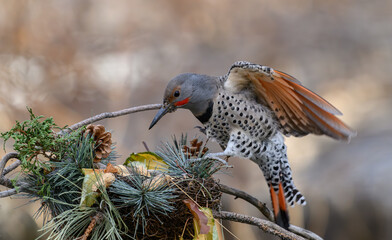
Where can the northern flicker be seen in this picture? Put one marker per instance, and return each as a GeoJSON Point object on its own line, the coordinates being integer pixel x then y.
{"type": "Point", "coordinates": [247, 111]}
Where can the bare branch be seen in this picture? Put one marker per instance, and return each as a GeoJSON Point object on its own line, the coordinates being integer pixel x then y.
{"type": "Point", "coordinates": [266, 211]}
{"type": "Point", "coordinates": [8, 193]}
{"type": "Point", "coordinates": [6, 182]}
{"type": "Point", "coordinates": [250, 199]}
{"type": "Point", "coordinates": [3, 171]}
{"type": "Point", "coordinates": [304, 233]}
{"type": "Point", "coordinates": [11, 167]}
{"type": "Point", "coordinates": [3, 180]}
{"type": "Point", "coordinates": [21, 186]}
{"type": "Point", "coordinates": [114, 114]}
{"type": "Point", "coordinates": [265, 225]}
{"type": "Point", "coordinates": [4, 161]}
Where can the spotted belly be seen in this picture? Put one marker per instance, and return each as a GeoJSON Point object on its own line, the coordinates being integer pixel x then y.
{"type": "Point", "coordinates": [232, 112]}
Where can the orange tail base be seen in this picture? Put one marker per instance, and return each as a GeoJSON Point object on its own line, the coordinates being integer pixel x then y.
{"type": "Point", "coordinates": [280, 207]}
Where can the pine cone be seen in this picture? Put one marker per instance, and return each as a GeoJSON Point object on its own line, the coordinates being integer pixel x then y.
{"type": "Point", "coordinates": [194, 149]}
{"type": "Point", "coordinates": [103, 141]}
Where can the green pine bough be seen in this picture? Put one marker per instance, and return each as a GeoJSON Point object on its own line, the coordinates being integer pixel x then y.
{"type": "Point", "coordinates": [54, 170]}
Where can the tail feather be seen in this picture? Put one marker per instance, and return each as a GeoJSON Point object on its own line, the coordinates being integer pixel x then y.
{"type": "Point", "coordinates": [279, 206]}
{"type": "Point", "coordinates": [274, 200]}
{"type": "Point", "coordinates": [283, 216]}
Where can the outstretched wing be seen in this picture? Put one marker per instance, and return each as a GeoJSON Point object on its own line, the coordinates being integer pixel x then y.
{"type": "Point", "coordinates": [299, 110]}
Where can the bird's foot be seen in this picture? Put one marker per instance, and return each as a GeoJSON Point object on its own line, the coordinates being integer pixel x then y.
{"type": "Point", "coordinates": [202, 129]}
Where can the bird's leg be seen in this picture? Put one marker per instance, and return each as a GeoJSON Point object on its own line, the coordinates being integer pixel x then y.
{"type": "Point", "coordinates": [216, 157]}
{"type": "Point", "coordinates": [218, 154]}
{"type": "Point", "coordinates": [228, 151]}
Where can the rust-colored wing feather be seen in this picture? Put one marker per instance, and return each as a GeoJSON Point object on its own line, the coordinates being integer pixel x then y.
{"type": "Point", "coordinates": [299, 110]}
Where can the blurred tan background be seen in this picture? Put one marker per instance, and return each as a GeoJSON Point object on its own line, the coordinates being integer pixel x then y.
{"type": "Point", "coordinates": [75, 59]}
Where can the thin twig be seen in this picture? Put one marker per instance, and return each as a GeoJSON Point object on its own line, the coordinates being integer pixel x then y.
{"type": "Point", "coordinates": [145, 146]}
{"type": "Point", "coordinates": [265, 225]}
{"type": "Point", "coordinates": [113, 114]}
{"type": "Point", "coordinates": [250, 199]}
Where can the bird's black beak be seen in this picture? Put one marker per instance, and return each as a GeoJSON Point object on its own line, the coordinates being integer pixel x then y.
{"type": "Point", "coordinates": [161, 112]}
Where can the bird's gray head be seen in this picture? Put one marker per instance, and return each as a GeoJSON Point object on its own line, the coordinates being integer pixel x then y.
{"type": "Point", "coordinates": [190, 91]}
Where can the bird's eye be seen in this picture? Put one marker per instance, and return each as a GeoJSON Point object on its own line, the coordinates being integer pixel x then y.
{"type": "Point", "coordinates": [176, 93]}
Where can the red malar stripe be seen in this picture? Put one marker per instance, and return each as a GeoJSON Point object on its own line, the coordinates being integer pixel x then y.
{"type": "Point", "coordinates": [183, 102]}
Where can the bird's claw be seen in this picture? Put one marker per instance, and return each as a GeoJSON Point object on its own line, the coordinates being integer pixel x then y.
{"type": "Point", "coordinates": [202, 129]}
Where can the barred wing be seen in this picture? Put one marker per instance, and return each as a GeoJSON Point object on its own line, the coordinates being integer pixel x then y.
{"type": "Point", "coordinates": [299, 110]}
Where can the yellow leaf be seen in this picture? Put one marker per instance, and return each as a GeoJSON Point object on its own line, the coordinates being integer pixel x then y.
{"type": "Point", "coordinates": [89, 171]}
{"type": "Point", "coordinates": [149, 159]}
{"type": "Point", "coordinates": [213, 234]}
{"type": "Point", "coordinates": [199, 217]}
{"type": "Point", "coordinates": [93, 180]}
{"type": "Point", "coordinates": [204, 224]}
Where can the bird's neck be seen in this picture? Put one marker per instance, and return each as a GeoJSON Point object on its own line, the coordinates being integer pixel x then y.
{"type": "Point", "coordinates": [206, 115]}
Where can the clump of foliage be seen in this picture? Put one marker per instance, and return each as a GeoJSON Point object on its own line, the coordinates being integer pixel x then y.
{"type": "Point", "coordinates": [39, 147]}
{"type": "Point", "coordinates": [84, 196]}
{"type": "Point", "coordinates": [36, 138]}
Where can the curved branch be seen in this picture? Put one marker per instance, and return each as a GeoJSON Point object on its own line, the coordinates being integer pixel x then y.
{"type": "Point", "coordinates": [304, 233]}
{"type": "Point", "coordinates": [3, 171]}
{"type": "Point", "coordinates": [4, 161]}
{"type": "Point", "coordinates": [113, 114]}
{"type": "Point", "coordinates": [265, 225]}
{"type": "Point", "coordinates": [11, 167]}
{"type": "Point", "coordinates": [266, 211]}
{"type": "Point", "coordinates": [250, 199]}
